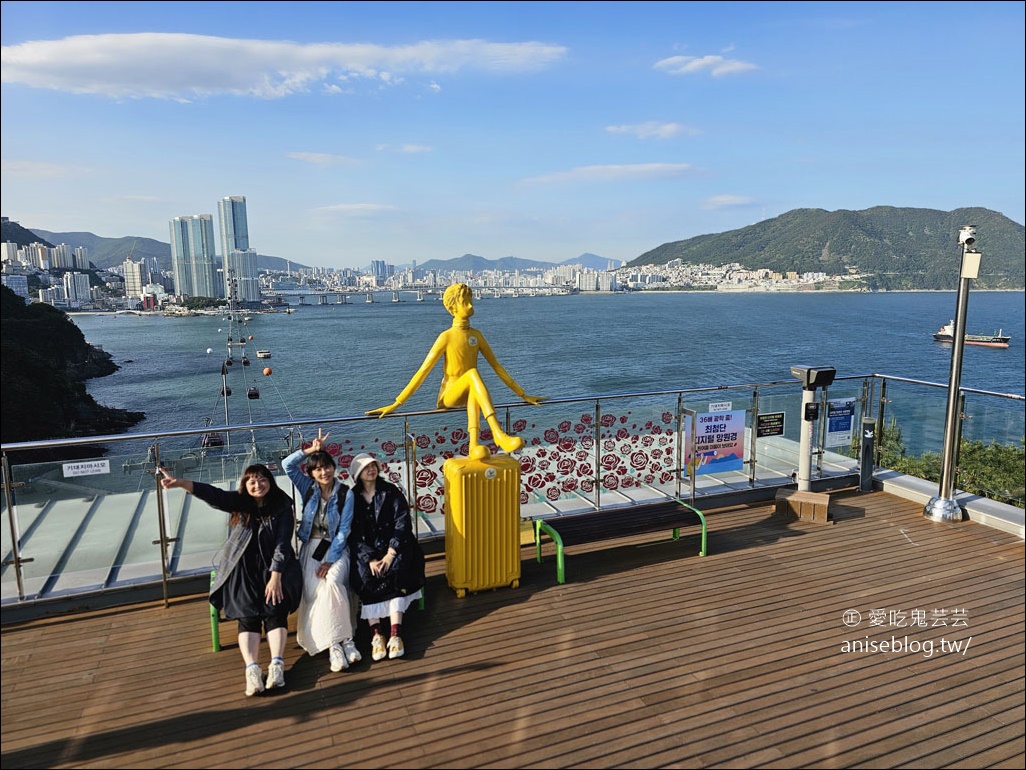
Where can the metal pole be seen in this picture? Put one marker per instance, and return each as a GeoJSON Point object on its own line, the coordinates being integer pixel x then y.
{"type": "Point", "coordinates": [17, 561]}
{"type": "Point", "coordinates": [161, 524]}
{"type": "Point", "coordinates": [805, 443]}
{"type": "Point", "coordinates": [943, 506]}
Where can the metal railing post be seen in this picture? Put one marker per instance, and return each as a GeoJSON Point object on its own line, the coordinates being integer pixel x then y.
{"type": "Point", "coordinates": [753, 453]}
{"type": "Point", "coordinates": [598, 454]}
{"type": "Point", "coordinates": [161, 524]}
{"type": "Point", "coordinates": [16, 561]}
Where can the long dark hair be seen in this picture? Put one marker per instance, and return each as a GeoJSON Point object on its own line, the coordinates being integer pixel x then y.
{"type": "Point", "coordinates": [273, 501]}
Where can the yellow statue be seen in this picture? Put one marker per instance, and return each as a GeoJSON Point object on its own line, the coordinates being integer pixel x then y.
{"type": "Point", "coordinates": [461, 382]}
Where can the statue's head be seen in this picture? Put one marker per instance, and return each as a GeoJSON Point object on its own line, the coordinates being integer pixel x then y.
{"type": "Point", "coordinates": [458, 292]}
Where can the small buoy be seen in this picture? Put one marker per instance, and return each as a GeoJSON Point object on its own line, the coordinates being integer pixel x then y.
{"type": "Point", "coordinates": [251, 336]}
{"type": "Point", "coordinates": [209, 351]}
{"type": "Point", "coordinates": [267, 372]}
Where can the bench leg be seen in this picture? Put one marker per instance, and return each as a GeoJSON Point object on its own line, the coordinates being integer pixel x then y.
{"type": "Point", "coordinates": [215, 622]}
{"type": "Point", "coordinates": [540, 526]}
{"type": "Point", "coordinates": [701, 518]}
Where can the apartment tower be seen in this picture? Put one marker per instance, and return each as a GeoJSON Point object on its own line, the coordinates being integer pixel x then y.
{"type": "Point", "coordinates": [193, 258]}
{"type": "Point", "coordinates": [241, 279]}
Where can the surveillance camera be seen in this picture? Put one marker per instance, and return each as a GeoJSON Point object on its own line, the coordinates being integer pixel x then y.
{"type": "Point", "coordinates": [967, 235]}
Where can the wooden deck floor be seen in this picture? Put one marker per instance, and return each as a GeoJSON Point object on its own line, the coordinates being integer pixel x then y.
{"type": "Point", "coordinates": [649, 656]}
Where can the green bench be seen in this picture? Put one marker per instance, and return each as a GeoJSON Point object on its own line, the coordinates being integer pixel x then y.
{"type": "Point", "coordinates": [608, 524]}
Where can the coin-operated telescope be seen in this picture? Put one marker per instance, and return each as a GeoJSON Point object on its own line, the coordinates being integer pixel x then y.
{"type": "Point", "coordinates": [811, 378]}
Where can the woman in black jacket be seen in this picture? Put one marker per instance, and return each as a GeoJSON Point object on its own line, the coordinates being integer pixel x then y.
{"type": "Point", "coordinates": [387, 563]}
{"type": "Point", "coordinates": [258, 580]}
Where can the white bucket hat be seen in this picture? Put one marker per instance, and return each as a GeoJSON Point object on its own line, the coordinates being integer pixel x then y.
{"type": "Point", "coordinates": [360, 462]}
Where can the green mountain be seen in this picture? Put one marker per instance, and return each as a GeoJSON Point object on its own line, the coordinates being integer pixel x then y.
{"type": "Point", "coordinates": [108, 252]}
{"type": "Point", "coordinates": [475, 264]}
{"type": "Point", "coordinates": [898, 248]}
{"type": "Point", "coordinates": [12, 232]}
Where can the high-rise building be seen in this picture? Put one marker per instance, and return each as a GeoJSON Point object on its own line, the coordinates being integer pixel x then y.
{"type": "Point", "coordinates": [9, 253]}
{"type": "Point", "coordinates": [16, 283]}
{"type": "Point", "coordinates": [62, 257]}
{"type": "Point", "coordinates": [76, 288]}
{"type": "Point", "coordinates": [36, 255]}
{"type": "Point", "coordinates": [136, 276]}
{"type": "Point", "coordinates": [192, 256]}
{"type": "Point", "coordinates": [240, 261]}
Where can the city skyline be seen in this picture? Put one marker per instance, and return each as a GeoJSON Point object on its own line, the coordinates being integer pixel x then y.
{"type": "Point", "coordinates": [399, 131]}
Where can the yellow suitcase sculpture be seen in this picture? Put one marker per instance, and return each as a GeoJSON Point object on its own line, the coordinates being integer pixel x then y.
{"type": "Point", "coordinates": [482, 523]}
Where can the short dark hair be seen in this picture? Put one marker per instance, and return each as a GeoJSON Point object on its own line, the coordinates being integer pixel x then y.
{"type": "Point", "coordinates": [320, 459]}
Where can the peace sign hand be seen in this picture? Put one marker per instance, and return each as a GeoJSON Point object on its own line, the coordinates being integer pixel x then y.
{"type": "Point", "coordinates": [318, 444]}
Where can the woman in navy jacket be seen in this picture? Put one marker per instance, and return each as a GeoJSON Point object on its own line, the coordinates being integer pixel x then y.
{"type": "Point", "coordinates": [387, 562]}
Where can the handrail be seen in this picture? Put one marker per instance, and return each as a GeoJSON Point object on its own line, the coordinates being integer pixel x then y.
{"type": "Point", "coordinates": [591, 432]}
{"type": "Point", "coordinates": [119, 437]}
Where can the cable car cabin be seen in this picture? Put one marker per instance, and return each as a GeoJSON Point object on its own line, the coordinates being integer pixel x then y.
{"type": "Point", "coordinates": [245, 361]}
{"type": "Point", "coordinates": [226, 391]}
{"type": "Point", "coordinates": [253, 392]}
{"type": "Point", "coordinates": [212, 440]}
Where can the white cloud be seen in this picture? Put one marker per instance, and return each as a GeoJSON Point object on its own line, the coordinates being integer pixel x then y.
{"type": "Point", "coordinates": [714, 65]}
{"type": "Point", "coordinates": [405, 148]}
{"type": "Point", "coordinates": [182, 66]}
{"type": "Point", "coordinates": [35, 170]}
{"type": "Point", "coordinates": [321, 158]}
{"type": "Point", "coordinates": [617, 173]}
{"type": "Point", "coordinates": [356, 209]}
{"type": "Point", "coordinates": [652, 129]}
{"type": "Point", "coordinates": [726, 201]}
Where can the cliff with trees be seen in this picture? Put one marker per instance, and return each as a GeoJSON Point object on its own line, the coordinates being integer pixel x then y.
{"type": "Point", "coordinates": [44, 364]}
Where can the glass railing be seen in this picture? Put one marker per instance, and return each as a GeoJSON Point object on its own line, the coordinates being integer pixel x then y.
{"type": "Point", "coordinates": [101, 522]}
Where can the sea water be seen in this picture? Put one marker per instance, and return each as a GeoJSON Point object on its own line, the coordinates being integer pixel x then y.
{"type": "Point", "coordinates": [339, 360]}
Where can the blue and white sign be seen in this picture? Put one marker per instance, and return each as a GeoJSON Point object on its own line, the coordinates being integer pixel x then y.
{"type": "Point", "coordinates": [840, 421]}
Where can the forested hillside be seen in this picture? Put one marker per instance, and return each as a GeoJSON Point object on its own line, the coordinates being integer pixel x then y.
{"type": "Point", "coordinates": [44, 362]}
{"type": "Point", "coordinates": [899, 248]}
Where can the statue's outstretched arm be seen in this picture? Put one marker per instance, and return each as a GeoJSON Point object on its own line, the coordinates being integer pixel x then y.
{"type": "Point", "coordinates": [418, 378]}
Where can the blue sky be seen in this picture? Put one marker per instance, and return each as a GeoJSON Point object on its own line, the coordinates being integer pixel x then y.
{"type": "Point", "coordinates": [541, 130]}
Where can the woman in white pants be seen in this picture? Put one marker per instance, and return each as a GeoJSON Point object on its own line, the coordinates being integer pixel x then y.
{"type": "Point", "coordinates": [325, 619]}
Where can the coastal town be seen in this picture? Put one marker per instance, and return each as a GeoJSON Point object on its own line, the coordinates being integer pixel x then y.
{"type": "Point", "coordinates": [60, 276]}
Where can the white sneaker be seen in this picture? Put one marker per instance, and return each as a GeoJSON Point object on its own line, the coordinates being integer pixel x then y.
{"type": "Point", "coordinates": [378, 647]}
{"type": "Point", "coordinates": [395, 648]}
{"type": "Point", "coordinates": [337, 658]}
{"type": "Point", "coordinates": [254, 683]}
{"type": "Point", "coordinates": [275, 674]}
{"type": "Point", "coordinates": [352, 654]}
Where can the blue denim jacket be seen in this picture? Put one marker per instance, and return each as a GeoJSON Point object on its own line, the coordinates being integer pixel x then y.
{"type": "Point", "coordinates": [339, 523]}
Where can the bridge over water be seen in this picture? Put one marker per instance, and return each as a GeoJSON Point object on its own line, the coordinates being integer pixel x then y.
{"type": "Point", "coordinates": [351, 296]}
